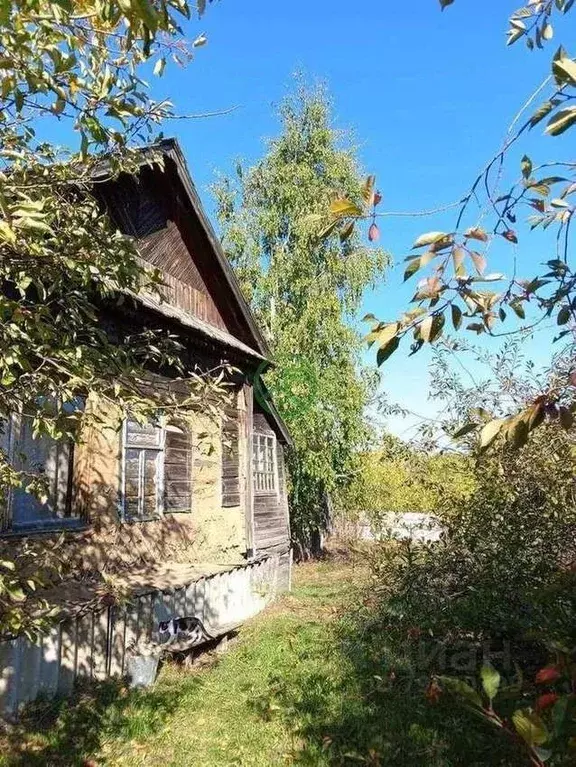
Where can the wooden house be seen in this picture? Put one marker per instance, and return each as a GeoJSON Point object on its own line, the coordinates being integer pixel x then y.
{"type": "Point", "coordinates": [148, 512]}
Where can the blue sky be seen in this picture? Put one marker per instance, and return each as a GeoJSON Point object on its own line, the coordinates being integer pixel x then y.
{"type": "Point", "coordinates": [429, 96]}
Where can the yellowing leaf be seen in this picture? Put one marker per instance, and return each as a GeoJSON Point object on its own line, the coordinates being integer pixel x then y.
{"type": "Point", "coordinates": [385, 351]}
{"type": "Point", "coordinates": [476, 233]}
{"type": "Point", "coordinates": [429, 238]}
{"type": "Point", "coordinates": [561, 121]}
{"type": "Point", "coordinates": [565, 70]}
{"type": "Point", "coordinates": [479, 262]}
{"type": "Point", "coordinates": [343, 207]}
{"type": "Point", "coordinates": [530, 727]}
{"type": "Point", "coordinates": [6, 232]}
{"type": "Point", "coordinates": [490, 680]}
{"type": "Point", "coordinates": [458, 255]}
{"type": "Point", "coordinates": [368, 190]}
{"type": "Point", "coordinates": [491, 431]}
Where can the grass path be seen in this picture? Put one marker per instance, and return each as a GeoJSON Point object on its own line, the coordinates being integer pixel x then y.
{"type": "Point", "coordinates": [315, 680]}
{"type": "Point", "coordinates": [222, 714]}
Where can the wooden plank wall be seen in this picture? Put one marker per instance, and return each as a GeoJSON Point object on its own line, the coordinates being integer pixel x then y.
{"type": "Point", "coordinates": [95, 645]}
{"type": "Point", "coordinates": [271, 517]}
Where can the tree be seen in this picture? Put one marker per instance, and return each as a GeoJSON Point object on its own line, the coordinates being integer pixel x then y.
{"type": "Point", "coordinates": [459, 289]}
{"type": "Point", "coordinates": [79, 66]}
{"type": "Point", "coordinates": [399, 477]}
{"type": "Point", "coordinates": [306, 292]}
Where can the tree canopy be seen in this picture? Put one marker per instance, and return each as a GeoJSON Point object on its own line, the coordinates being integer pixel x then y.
{"type": "Point", "coordinates": [306, 292]}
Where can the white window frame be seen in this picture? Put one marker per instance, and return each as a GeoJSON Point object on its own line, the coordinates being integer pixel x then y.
{"type": "Point", "coordinates": [257, 463]}
{"type": "Point", "coordinates": [160, 450]}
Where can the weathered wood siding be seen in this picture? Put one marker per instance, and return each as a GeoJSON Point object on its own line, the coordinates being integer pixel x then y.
{"type": "Point", "coordinates": [94, 645]}
{"type": "Point", "coordinates": [271, 515]}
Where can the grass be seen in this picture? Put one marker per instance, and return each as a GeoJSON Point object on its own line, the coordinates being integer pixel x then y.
{"type": "Point", "coordinates": [310, 682]}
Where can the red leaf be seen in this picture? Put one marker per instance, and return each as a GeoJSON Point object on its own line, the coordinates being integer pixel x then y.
{"type": "Point", "coordinates": [547, 675]}
{"type": "Point", "coordinates": [373, 233]}
{"type": "Point", "coordinates": [510, 235]}
{"type": "Point", "coordinates": [377, 198]}
{"type": "Point", "coordinates": [433, 691]}
{"type": "Point", "coordinates": [546, 700]}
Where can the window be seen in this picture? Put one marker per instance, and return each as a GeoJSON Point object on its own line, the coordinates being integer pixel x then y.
{"type": "Point", "coordinates": [53, 461]}
{"type": "Point", "coordinates": [156, 470]}
{"type": "Point", "coordinates": [263, 463]}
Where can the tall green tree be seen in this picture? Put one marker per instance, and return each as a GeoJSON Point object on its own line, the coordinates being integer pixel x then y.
{"type": "Point", "coordinates": [306, 291]}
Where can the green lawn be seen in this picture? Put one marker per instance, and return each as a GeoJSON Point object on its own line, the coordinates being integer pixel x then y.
{"type": "Point", "coordinates": [303, 684]}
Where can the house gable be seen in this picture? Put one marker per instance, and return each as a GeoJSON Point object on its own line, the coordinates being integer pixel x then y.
{"type": "Point", "coordinates": [162, 210]}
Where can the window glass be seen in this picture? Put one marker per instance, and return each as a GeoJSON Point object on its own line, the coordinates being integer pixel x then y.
{"type": "Point", "coordinates": [263, 464]}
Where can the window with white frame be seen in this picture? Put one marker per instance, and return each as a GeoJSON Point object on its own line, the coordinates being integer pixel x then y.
{"type": "Point", "coordinates": [264, 462]}
{"type": "Point", "coordinates": [37, 457]}
{"type": "Point", "coordinates": [157, 472]}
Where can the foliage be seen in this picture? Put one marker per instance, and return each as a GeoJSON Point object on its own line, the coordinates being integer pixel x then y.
{"type": "Point", "coordinates": [460, 289]}
{"type": "Point", "coordinates": [502, 575]}
{"type": "Point", "coordinates": [65, 271]}
{"type": "Point", "coordinates": [399, 477]}
{"type": "Point", "coordinates": [545, 729]}
{"type": "Point", "coordinates": [306, 294]}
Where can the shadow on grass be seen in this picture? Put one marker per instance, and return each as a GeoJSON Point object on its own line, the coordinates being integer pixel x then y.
{"type": "Point", "coordinates": [70, 731]}
{"type": "Point", "coordinates": [356, 694]}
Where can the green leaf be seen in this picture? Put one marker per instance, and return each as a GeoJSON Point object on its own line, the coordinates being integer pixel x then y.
{"type": "Point", "coordinates": [563, 315]}
{"type": "Point", "coordinates": [456, 316]}
{"type": "Point", "coordinates": [542, 112]}
{"type": "Point", "coordinates": [461, 690]}
{"type": "Point", "coordinates": [526, 166]}
{"type": "Point", "coordinates": [466, 429]}
{"type": "Point", "coordinates": [490, 680]}
{"type": "Point", "coordinates": [429, 239]}
{"type": "Point", "coordinates": [412, 268]}
{"type": "Point", "coordinates": [6, 232]}
{"type": "Point", "coordinates": [5, 6]}
{"type": "Point", "coordinates": [518, 309]}
{"type": "Point", "coordinates": [445, 3]}
{"type": "Point", "coordinates": [530, 727]}
{"type": "Point", "coordinates": [561, 121]}
{"type": "Point", "coordinates": [328, 229]}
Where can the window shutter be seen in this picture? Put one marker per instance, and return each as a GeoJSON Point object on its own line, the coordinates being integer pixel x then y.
{"type": "Point", "coordinates": [177, 470]}
{"type": "Point", "coordinates": [230, 461]}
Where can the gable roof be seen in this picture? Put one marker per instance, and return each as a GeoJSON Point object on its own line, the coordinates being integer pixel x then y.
{"type": "Point", "coordinates": [171, 150]}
